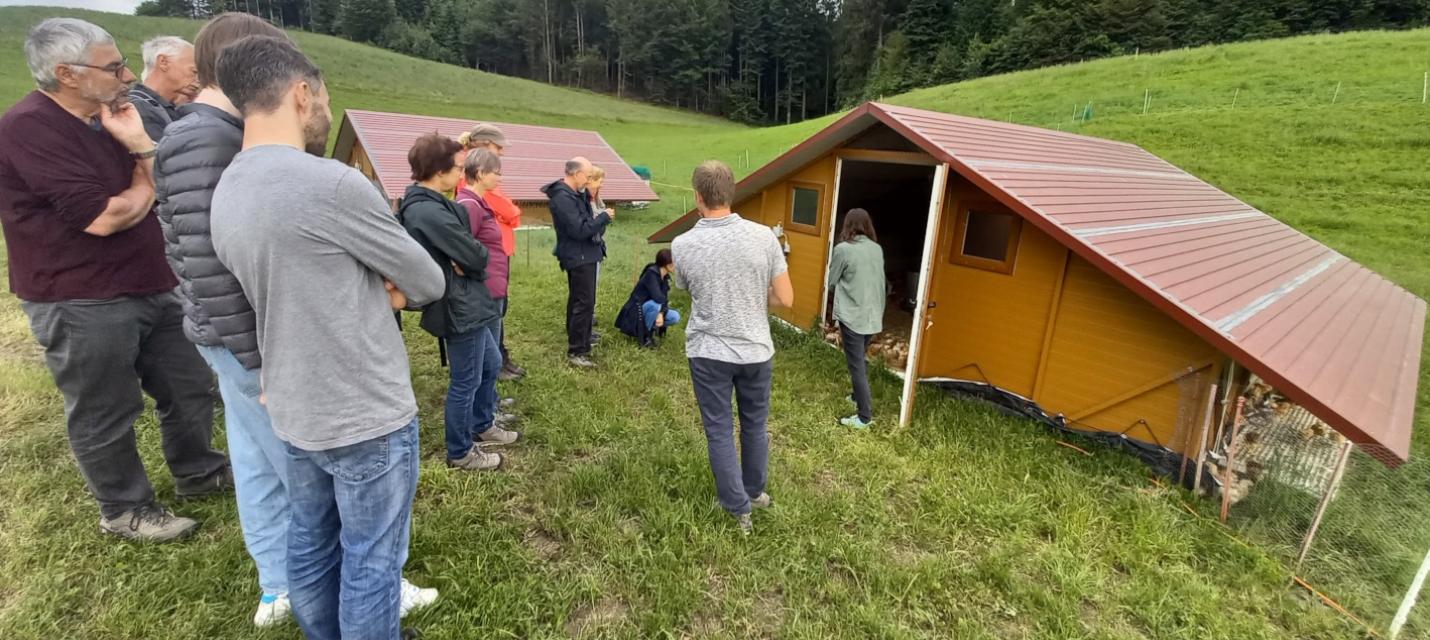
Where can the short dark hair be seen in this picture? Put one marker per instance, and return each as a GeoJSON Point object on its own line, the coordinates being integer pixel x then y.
{"type": "Point", "coordinates": [715, 183]}
{"type": "Point", "coordinates": [663, 258]}
{"type": "Point", "coordinates": [432, 154]}
{"type": "Point", "coordinates": [857, 223]}
{"type": "Point", "coordinates": [223, 30]}
{"type": "Point", "coordinates": [255, 71]}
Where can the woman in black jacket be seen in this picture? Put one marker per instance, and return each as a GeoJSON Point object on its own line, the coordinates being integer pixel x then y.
{"type": "Point", "coordinates": [647, 312]}
{"type": "Point", "coordinates": [466, 317]}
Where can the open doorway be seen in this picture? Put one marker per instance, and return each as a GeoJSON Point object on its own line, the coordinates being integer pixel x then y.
{"type": "Point", "coordinates": [896, 195]}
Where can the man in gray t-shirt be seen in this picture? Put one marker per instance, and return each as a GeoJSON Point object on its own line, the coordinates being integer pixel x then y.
{"type": "Point", "coordinates": [312, 245]}
{"type": "Point", "coordinates": [734, 270]}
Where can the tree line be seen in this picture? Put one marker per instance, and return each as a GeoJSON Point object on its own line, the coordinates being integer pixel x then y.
{"type": "Point", "coordinates": [767, 61]}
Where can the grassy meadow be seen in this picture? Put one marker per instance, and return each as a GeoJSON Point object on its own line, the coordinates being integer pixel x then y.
{"type": "Point", "coordinates": [969, 524]}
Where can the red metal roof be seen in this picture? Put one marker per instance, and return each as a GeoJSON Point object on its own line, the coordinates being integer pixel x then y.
{"type": "Point", "coordinates": [1332, 335]}
{"type": "Point", "coordinates": [534, 156]}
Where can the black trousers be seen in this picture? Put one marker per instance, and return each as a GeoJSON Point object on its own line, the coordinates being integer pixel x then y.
{"type": "Point", "coordinates": [501, 333]}
{"type": "Point", "coordinates": [104, 355]}
{"type": "Point", "coordinates": [856, 345]}
{"type": "Point", "coordinates": [580, 308]}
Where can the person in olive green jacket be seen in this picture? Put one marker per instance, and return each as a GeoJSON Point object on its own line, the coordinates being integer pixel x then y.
{"type": "Point", "coordinates": [856, 275]}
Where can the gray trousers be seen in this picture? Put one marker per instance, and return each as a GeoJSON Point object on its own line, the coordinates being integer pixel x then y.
{"type": "Point", "coordinates": [738, 477]}
{"type": "Point", "coordinates": [856, 347]}
{"type": "Point", "coordinates": [103, 355]}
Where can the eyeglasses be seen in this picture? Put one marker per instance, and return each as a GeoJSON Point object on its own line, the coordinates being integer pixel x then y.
{"type": "Point", "coordinates": [117, 68]}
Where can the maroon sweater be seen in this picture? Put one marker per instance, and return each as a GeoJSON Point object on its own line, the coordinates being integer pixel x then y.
{"type": "Point", "coordinates": [487, 232]}
{"type": "Point", "coordinates": [57, 174]}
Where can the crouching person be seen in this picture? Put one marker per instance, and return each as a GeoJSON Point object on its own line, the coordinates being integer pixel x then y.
{"type": "Point", "coordinates": [647, 313]}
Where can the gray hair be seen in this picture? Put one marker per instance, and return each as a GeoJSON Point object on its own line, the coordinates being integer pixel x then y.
{"type": "Point", "coordinates": [481, 161]}
{"type": "Point", "coordinates": [170, 46]}
{"type": "Point", "coordinates": [58, 41]}
{"type": "Point", "coordinates": [575, 165]}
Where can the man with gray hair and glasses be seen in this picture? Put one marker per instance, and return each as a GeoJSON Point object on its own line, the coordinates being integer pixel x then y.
{"type": "Point", "coordinates": [86, 260]}
{"type": "Point", "coordinates": [170, 79]}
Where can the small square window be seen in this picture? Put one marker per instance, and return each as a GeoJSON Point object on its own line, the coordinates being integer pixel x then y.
{"type": "Point", "coordinates": [987, 235]}
{"type": "Point", "coordinates": [804, 207]}
{"type": "Point", "coordinates": [987, 240]}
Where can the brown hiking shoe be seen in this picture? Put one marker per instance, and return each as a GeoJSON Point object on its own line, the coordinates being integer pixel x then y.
{"type": "Point", "coordinates": [148, 523]}
{"type": "Point", "coordinates": [476, 460]}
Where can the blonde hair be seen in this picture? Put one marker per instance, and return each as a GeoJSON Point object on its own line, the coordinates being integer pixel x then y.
{"type": "Point", "coordinates": [596, 173]}
{"type": "Point", "coordinates": [465, 139]}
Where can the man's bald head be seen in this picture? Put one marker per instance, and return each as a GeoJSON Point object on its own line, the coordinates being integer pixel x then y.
{"type": "Point", "coordinates": [578, 172]}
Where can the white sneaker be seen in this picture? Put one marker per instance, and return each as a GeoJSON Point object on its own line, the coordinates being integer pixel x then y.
{"type": "Point", "coordinates": [415, 597]}
{"type": "Point", "coordinates": [272, 610]}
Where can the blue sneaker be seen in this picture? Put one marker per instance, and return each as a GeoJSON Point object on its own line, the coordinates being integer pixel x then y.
{"type": "Point", "coordinates": [854, 422]}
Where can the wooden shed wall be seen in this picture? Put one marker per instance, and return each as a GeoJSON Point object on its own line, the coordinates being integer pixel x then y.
{"type": "Point", "coordinates": [1116, 363]}
{"type": "Point", "coordinates": [989, 326]}
{"type": "Point", "coordinates": [1062, 333]}
{"type": "Point", "coordinates": [808, 252]}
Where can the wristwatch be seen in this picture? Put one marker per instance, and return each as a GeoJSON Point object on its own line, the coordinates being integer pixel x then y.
{"type": "Point", "coordinates": [144, 155]}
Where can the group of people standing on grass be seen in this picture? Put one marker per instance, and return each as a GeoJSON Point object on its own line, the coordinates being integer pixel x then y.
{"type": "Point", "coordinates": [194, 232]}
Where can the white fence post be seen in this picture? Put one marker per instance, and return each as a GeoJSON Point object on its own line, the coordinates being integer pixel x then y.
{"type": "Point", "coordinates": [1409, 602]}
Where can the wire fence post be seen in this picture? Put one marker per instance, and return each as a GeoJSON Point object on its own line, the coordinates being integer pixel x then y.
{"type": "Point", "coordinates": [1403, 613]}
{"type": "Point", "coordinates": [1146, 101]}
{"type": "Point", "coordinates": [1331, 485]}
{"type": "Point", "coordinates": [1425, 90]}
{"type": "Point", "coordinates": [1337, 94]}
{"type": "Point", "coordinates": [1233, 97]}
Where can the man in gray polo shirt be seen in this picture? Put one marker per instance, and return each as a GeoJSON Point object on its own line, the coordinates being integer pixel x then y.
{"type": "Point", "coordinates": [734, 270]}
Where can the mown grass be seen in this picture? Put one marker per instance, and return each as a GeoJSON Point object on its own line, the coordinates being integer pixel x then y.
{"type": "Point", "coordinates": [969, 524]}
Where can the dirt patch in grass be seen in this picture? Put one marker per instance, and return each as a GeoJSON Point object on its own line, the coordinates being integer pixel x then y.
{"type": "Point", "coordinates": [604, 614]}
{"type": "Point", "coordinates": [542, 543]}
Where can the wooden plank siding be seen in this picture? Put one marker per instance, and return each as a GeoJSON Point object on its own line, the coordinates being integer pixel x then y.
{"type": "Point", "coordinates": [1116, 363]}
{"type": "Point", "coordinates": [989, 326]}
{"type": "Point", "coordinates": [808, 255]}
{"type": "Point", "coordinates": [1060, 332]}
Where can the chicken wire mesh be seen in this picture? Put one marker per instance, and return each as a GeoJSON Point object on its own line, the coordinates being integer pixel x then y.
{"type": "Point", "coordinates": [1346, 524]}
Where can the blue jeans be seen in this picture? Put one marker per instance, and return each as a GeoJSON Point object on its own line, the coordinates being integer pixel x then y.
{"type": "Point", "coordinates": [651, 309]}
{"type": "Point", "coordinates": [347, 541]}
{"type": "Point", "coordinates": [259, 461]}
{"type": "Point", "coordinates": [474, 362]}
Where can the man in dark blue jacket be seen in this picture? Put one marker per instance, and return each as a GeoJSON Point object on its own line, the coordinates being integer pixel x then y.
{"type": "Point", "coordinates": [578, 249]}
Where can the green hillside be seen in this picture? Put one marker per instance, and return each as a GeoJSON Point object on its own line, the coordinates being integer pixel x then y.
{"type": "Point", "coordinates": [970, 524]}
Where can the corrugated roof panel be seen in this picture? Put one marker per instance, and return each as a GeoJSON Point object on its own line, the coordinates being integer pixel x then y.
{"type": "Point", "coordinates": [1332, 335]}
{"type": "Point", "coordinates": [534, 155]}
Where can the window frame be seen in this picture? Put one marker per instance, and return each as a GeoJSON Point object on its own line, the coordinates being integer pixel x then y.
{"type": "Point", "coordinates": [1015, 233]}
{"type": "Point", "coordinates": [809, 229]}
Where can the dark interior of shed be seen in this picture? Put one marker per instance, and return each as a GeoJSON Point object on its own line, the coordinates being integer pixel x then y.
{"type": "Point", "coordinates": [897, 199]}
